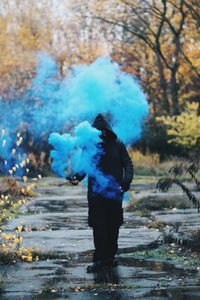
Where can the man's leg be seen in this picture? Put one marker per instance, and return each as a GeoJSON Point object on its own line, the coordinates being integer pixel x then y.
{"type": "Point", "coordinates": [100, 252]}
{"type": "Point", "coordinates": [107, 217]}
{"type": "Point", "coordinates": [114, 221]}
{"type": "Point", "coordinates": [112, 244]}
{"type": "Point", "coordinates": [106, 243]}
{"type": "Point", "coordinates": [100, 236]}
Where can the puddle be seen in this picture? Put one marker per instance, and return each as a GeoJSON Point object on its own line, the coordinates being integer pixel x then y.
{"type": "Point", "coordinates": [157, 266]}
{"type": "Point", "coordinates": [177, 293]}
{"type": "Point", "coordinates": [132, 277]}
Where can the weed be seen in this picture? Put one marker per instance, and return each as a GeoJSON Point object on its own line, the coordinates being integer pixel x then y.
{"type": "Point", "coordinates": [172, 253]}
{"type": "Point", "coordinates": [192, 169]}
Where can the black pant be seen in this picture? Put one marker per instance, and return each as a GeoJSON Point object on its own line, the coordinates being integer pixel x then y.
{"type": "Point", "coordinates": [105, 217]}
{"type": "Point", "coordinates": [105, 242]}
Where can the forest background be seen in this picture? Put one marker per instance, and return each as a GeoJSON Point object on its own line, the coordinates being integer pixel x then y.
{"type": "Point", "coordinates": [156, 41]}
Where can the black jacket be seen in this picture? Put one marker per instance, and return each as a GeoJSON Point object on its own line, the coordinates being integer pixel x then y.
{"type": "Point", "coordinates": [114, 162]}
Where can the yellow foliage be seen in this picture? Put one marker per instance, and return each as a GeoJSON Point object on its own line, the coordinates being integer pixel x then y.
{"type": "Point", "coordinates": [140, 159]}
{"type": "Point", "coordinates": [27, 39]}
{"type": "Point", "coordinates": [10, 243]}
{"type": "Point", "coordinates": [28, 192]}
{"type": "Point", "coordinates": [19, 229]}
{"type": "Point", "coordinates": [184, 128]}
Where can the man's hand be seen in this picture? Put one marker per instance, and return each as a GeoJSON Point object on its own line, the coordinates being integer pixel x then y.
{"type": "Point", "coordinates": [121, 190]}
{"type": "Point", "coordinates": [73, 180]}
{"type": "Point", "coordinates": [125, 186]}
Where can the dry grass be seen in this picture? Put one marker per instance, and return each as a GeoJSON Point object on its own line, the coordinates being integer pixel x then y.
{"type": "Point", "coordinates": [148, 165]}
{"type": "Point", "coordinates": [139, 158]}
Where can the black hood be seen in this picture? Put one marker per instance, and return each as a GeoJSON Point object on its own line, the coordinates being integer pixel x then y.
{"type": "Point", "coordinates": [100, 123]}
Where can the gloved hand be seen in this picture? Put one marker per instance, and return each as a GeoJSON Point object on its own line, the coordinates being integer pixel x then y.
{"type": "Point", "coordinates": [125, 186]}
{"type": "Point", "coordinates": [73, 180]}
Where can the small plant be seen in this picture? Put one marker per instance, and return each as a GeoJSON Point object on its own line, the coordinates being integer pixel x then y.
{"type": "Point", "coordinates": [12, 195]}
{"type": "Point", "coordinates": [190, 167]}
{"type": "Point", "coordinates": [11, 249]}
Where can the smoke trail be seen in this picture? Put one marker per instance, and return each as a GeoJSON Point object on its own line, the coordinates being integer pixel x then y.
{"type": "Point", "coordinates": [55, 104]}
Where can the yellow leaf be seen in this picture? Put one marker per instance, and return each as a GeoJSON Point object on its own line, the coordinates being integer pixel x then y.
{"type": "Point", "coordinates": [19, 228]}
{"type": "Point", "coordinates": [29, 258]}
{"type": "Point", "coordinates": [25, 178]}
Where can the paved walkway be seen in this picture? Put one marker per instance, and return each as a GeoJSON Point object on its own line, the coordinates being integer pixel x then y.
{"type": "Point", "coordinates": [58, 219]}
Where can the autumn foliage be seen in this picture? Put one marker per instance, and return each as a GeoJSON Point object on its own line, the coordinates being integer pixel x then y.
{"type": "Point", "coordinates": [157, 41]}
{"type": "Point", "coordinates": [184, 129]}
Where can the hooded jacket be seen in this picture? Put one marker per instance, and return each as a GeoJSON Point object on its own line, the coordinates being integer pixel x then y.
{"type": "Point", "coordinates": [114, 162]}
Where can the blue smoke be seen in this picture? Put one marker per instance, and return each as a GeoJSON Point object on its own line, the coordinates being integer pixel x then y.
{"type": "Point", "coordinates": [13, 160]}
{"type": "Point", "coordinates": [75, 154]}
{"type": "Point", "coordinates": [80, 154]}
{"type": "Point", "coordinates": [102, 88]}
{"type": "Point", "coordinates": [55, 104]}
{"type": "Point", "coordinates": [98, 88]}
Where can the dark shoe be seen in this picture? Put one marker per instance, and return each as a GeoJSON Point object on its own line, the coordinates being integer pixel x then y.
{"type": "Point", "coordinates": [95, 267]}
{"type": "Point", "coordinates": [101, 264]}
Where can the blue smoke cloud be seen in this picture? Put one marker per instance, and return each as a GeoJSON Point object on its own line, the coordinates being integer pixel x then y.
{"type": "Point", "coordinates": [55, 104]}
{"type": "Point", "coordinates": [98, 88]}
{"type": "Point", "coordinates": [80, 154]}
{"type": "Point", "coordinates": [102, 88]}
{"type": "Point", "coordinates": [75, 154]}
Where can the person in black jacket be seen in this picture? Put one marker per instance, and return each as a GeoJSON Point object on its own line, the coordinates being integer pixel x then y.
{"type": "Point", "coordinates": [105, 207]}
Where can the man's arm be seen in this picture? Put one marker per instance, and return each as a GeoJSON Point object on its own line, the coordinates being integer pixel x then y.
{"type": "Point", "coordinates": [128, 168]}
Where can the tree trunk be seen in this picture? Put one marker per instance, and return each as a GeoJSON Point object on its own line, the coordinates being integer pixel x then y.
{"type": "Point", "coordinates": [163, 84]}
{"type": "Point", "coordinates": [174, 88]}
{"type": "Point", "coordinates": [174, 85]}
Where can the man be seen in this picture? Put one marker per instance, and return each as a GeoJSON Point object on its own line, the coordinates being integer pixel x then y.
{"type": "Point", "coordinates": [105, 207]}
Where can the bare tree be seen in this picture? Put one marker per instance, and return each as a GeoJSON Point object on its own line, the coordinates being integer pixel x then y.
{"type": "Point", "coordinates": [160, 26]}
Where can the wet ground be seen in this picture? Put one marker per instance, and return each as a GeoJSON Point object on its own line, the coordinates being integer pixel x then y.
{"type": "Point", "coordinates": [58, 219]}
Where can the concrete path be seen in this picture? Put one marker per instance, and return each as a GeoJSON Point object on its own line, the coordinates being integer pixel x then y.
{"type": "Point", "coordinates": [58, 219]}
